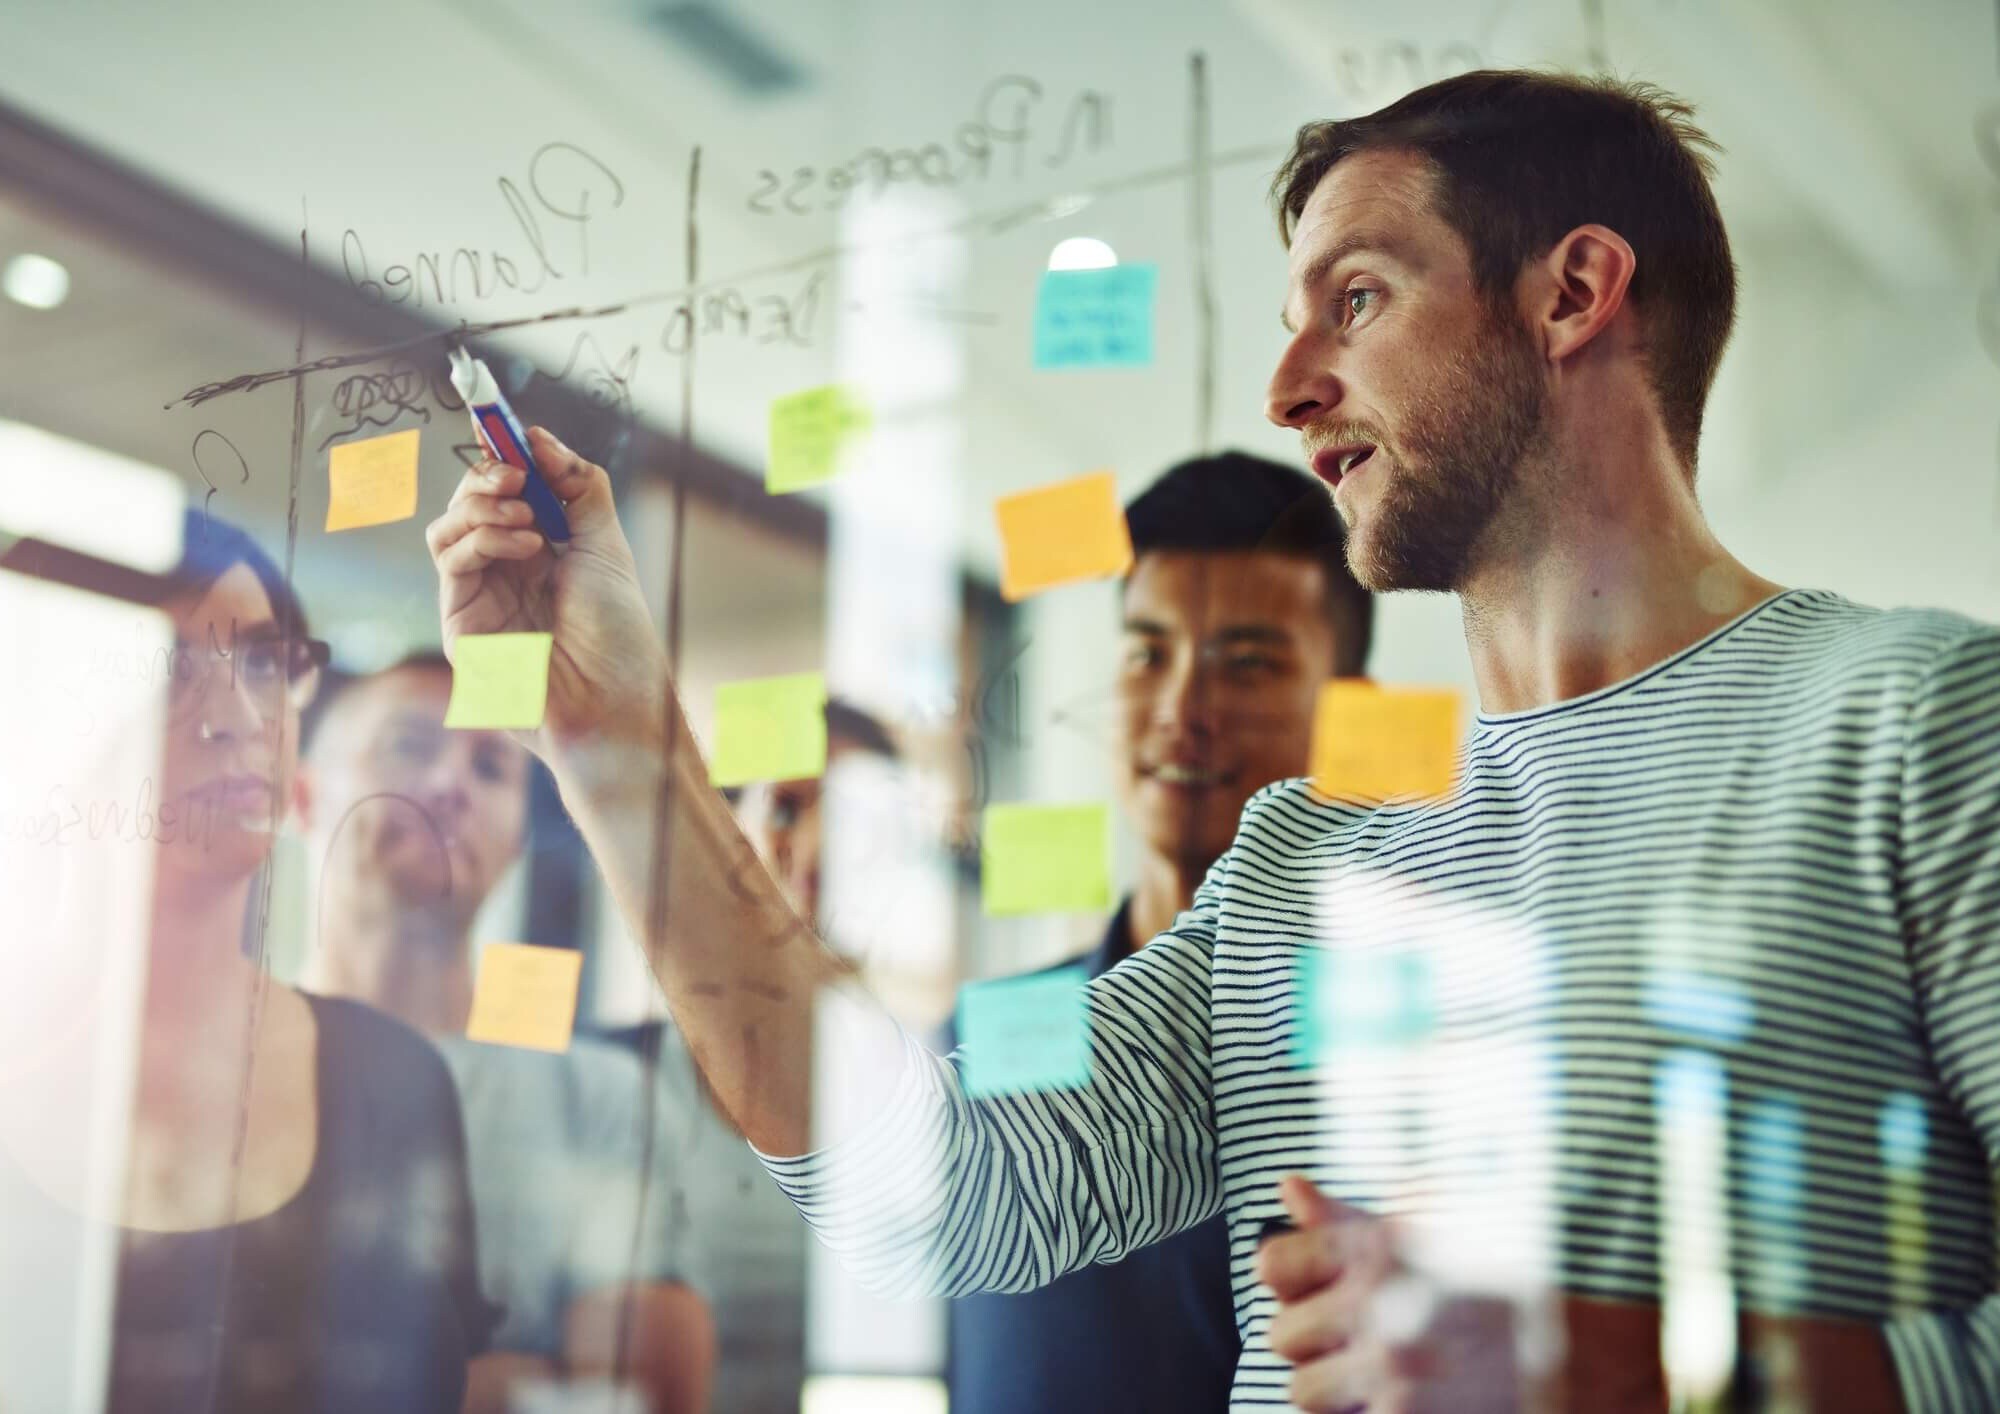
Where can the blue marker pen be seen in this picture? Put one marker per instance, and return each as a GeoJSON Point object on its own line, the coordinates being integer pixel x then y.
{"type": "Point", "coordinates": [504, 437]}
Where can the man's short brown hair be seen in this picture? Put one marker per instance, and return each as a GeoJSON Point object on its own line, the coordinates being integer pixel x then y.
{"type": "Point", "coordinates": [1521, 159]}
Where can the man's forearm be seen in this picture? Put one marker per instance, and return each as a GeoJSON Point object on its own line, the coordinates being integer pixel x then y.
{"type": "Point", "coordinates": [741, 972]}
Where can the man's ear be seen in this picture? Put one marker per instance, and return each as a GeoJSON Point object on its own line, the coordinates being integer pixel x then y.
{"type": "Point", "coordinates": [305, 795]}
{"type": "Point", "coordinates": [1584, 278]}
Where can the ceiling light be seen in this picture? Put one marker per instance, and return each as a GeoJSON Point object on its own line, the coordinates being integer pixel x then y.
{"type": "Point", "coordinates": [1082, 253]}
{"type": "Point", "coordinates": [36, 281]}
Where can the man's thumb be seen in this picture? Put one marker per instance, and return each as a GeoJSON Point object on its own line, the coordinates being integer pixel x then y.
{"type": "Point", "coordinates": [582, 486]}
{"type": "Point", "coordinates": [1304, 1203]}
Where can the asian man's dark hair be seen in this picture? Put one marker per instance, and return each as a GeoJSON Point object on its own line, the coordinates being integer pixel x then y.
{"type": "Point", "coordinates": [1234, 501]}
{"type": "Point", "coordinates": [1521, 159]}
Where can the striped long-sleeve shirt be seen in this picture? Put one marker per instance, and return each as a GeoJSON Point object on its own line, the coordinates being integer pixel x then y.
{"type": "Point", "coordinates": [1696, 973]}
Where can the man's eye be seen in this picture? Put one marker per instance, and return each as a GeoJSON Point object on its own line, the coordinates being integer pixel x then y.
{"type": "Point", "coordinates": [260, 662]}
{"type": "Point", "coordinates": [1142, 655]}
{"type": "Point", "coordinates": [1356, 292]}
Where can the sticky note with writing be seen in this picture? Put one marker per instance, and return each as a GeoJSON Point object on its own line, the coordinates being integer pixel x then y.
{"type": "Point", "coordinates": [769, 729]}
{"type": "Point", "coordinates": [372, 482]}
{"type": "Point", "coordinates": [499, 681]}
{"type": "Point", "coordinates": [1058, 534]}
{"type": "Point", "coordinates": [1096, 318]}
{"type": "Point", "coordinates": [812, 434]}
{"type": "Point", "coordinates": [1381, 743]}
{"type": "Point", "coordinates": [525, 996]}
{"type": "Point", "coordinates": [1044, 859]}
{"type": "Point", "coordinates": [1361, 999]}
{"type": "Point", "coordinates": [1025, 1033]}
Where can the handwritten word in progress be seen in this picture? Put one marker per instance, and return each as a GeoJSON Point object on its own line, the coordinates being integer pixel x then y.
{"type": "Point", "coordinates": [525, 996]}
{"type": "Point", "coordinates": [812, 434]}
{"type": "Point", "coordinates": [1061, 533]}
{"type": "Point", "coordinates": [1382, 743]}
{"type": "Point", "coordinates": [565, 181]}
{"type": "Point", "coordinates": [1096, 318]}
{"type": "Point", "coordinates": [1044, 859]}
{"type": "Point", "coordinates": [372, 482]}
{"type": "Point", "coordinates": [1025, 1033]}
{"type": "Point", "coordinates": [769, 729]}
{"type": "Point", "coordinates": [1002, 122]}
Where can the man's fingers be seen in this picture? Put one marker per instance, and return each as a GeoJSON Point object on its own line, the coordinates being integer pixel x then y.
{"type": "Point", "coordinates": [582, 486]}
{"type": "Point", "coordinates": [1320, 1324]}
{"type": "Point", "coordinates": [1296, 1264]}
{"type": "Point", "coordinates": [1355, 1379]}
{"type": "Point", "coordinates": [467, 512]}
{"type": "Point", "coordinates": [482, 546]}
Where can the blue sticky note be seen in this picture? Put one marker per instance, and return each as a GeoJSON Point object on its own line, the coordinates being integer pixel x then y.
{"type": "Point", "coordinates": [1096, 318]}
{"type": "Point", "coordinates": [1025, 1033]}
{"type": "Point", "coordinates": [1354, 999]}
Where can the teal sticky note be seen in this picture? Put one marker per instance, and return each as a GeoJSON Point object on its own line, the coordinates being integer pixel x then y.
{"type": "Point", "coordinates": [1096, 318]}
{"type": "Point", "coordinates": [1361, 999]}
{"type": "Point", "coordinates": [1044, 859]}
{"type": "Point", "coordinates": [1025, 1033]}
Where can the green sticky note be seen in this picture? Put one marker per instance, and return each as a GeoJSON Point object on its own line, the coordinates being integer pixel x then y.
{"type": "Point", "coordinates": [1356, 999]}
{"type": "Point", "coordinates": [1025, 1033]}
{"type": "Point", "coordinates": [1044, 859]}
{"type": "Point", "coordinates": [810, 434]}
{"type": "Point", "coordinates": [499, 680]}
{"type": "Point", "coordinates": [769, 729]}
{"type": "Point", "coordinates": [1096, 318]}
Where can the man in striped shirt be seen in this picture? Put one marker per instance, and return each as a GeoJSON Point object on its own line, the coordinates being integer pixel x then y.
{"type": "Point", "coordinates": [1705, 943]}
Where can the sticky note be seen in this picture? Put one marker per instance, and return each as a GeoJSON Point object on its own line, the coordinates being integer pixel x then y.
{"type": "Point", "coordinates": [1380, 743]}
{"type": "Point", "coordinates": [769, 729]}
{"type": "Point", "coordinates": [499, 680]}
{"type": "Point", "coordinates": [1057, 534]}
{"type": "Point", "coordinates": [812, 434]}
{"type": "Point", "coordinates": [1096, 318]}
{"type": "Point", "coordinates": [373, 481]}
{"type": "Point", "coordinates": [1353, 998]}
{"type": "Point", "coordinates": [525, 996]}
{"type": "Point", "coordinates": [1025, 1033]}
{"type": "Point", "coordinates": [1044, 859]}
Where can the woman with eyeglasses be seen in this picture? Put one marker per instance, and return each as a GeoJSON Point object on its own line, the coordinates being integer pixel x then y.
{"type": "Point", "coordinates": [295, 1231]}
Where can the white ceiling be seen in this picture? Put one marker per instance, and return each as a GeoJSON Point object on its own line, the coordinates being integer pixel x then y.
{"type": "Point", "coordinates": [1852, 178]}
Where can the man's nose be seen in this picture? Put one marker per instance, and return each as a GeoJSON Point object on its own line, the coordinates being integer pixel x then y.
{"type": "Point", "coordinates": [1187, 699]}
{"type": "Point", "coordinates": [1302, 388]}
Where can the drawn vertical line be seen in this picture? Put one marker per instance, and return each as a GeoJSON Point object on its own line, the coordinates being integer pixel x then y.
{"type": "Point", "coordinates": [1593, 29]}
{"type": "Point", "coordinates": [659, 875]}
{"type": "Point", "coordinates": [1201, 201]}
{"type": "Point", "coordinates": [260, 990]}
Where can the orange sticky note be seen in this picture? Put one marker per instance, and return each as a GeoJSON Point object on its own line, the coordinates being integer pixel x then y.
{"type": "Point", "coordinates": [525, 996]}
{"type": "Point", "coordinates": [1384, 743]}
{"type": "Point", "coordinates": [1061, 533]}
{"type": "Point", "coordinates": [373, 481]}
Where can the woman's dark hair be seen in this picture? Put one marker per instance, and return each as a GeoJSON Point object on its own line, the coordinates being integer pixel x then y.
{"type": "Point", "coordinates": [1234, 501]}
{"type": "Point", "coordinates": [1521, 159]}
{"type": "Point", "coordinates": [210, 548]}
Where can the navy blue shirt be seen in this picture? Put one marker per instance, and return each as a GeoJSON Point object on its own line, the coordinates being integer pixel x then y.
{"type": "Point", "coordinates": [1153, 1334]}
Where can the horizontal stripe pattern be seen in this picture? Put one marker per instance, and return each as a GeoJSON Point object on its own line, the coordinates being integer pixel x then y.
{"type": "Point", "coordinates": [1745, 905]}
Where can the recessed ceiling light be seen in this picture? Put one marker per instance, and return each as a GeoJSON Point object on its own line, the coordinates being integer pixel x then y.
{"type": "Point", "coordinates": [36, 281]}
{"type": "Point", "coordinates": [1082, 253]}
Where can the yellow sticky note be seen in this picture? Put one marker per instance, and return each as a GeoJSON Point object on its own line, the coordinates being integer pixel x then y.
{"type": "Point", "coordinates": [769, 729]}
{"type": "Point", "coordinates": [499, 681]}
{"type": "Point", "coordinates": [1061, 533]}
{"type": "Point", "coordinates": [1044, 859]}
{"type": "Point", "coordinates": [373, 481]}
{"type": "Point", "coordinates": [812, 434]}
{"type": "Point", "coordinates": [525, 996]}
{"type": "Point", "coordinates": [1382, 743]}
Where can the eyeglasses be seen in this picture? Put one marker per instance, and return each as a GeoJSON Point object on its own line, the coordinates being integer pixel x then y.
{"type": "Point", "coordinates": [268, 666]}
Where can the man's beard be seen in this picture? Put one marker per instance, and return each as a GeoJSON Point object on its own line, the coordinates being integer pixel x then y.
{"type": "Point", "coordinates": [1459, 459]}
